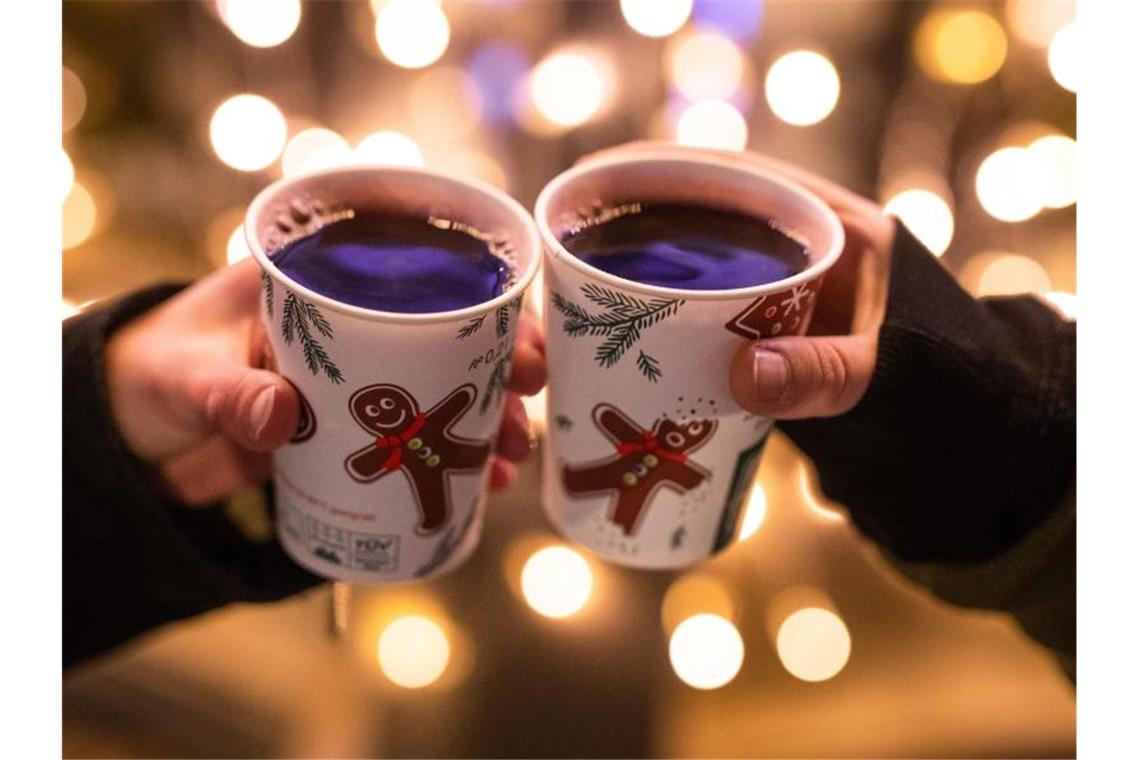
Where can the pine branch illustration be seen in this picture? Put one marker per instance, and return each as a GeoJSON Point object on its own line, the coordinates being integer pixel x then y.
{"type": "Point", "coordinates": [496, 385]}
{"type": "Point", "coordinates": [288, 313]}
{"type": "Point", "coordinates": [470, 328]}
{"type": "Point", "coordinates": [502, 320]}
{"type": "Point", "coordinates": [267, 282]}
{"type": "Point", "coordinates": [517, 303]}
{"type": "Point", "coordinates": [315, 356]}
{"type": "Point", "coordinates": [318, 319]}
{"type": "Point", "coordinates": [617, 344]}
{"type": "Point", "coordinates": [569, 309]}
{"type": "Point", "coordinates": [649, 366]}
{"type": "Point", "coordinates": [614, 300]}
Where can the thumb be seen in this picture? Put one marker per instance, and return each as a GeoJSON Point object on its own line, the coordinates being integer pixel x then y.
{"type": "Point", "coordinates": [256, 408]}
{"type": "Point", "coordinates": [797, 377]}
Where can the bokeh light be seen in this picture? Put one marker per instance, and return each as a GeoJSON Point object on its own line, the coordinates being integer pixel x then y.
{"type": "Point", "coordinates": [79, 215]}
{"type": "Point", "coordinates": [69, 309]}
{"type": "Point", "coordinates": [754, 512]}
{"type": "Point", "coordinates": [475, 163]}
{"type": "Point", "coordinates": [1011, 184]}
{"type": "Point", "coordinates": [412, 33]}
{"type": "Point", "coordinates": [813, 644]}
{"type": "Point", "coordinates": [388, 147]}
{"type": "Point", "coordinates": [705, 65]}
{"type": "Point", "coordinates": [413, 651]}
{"type": "Point", "coordinates": [1064, 57]}
{"type": "Point", "coordinates": [445, 103]}
{"type": "Point", "coordinates": [816, 504]}
{"type": "Point", "coordinates": [66, 173]}
{"type": "Point", "coordinates": [706, 651]}
{"type": "Point", "coordinates": [1036, 21]}
{"type": "Point", "coordinates": [960, 46]}
{"type": "Point", "coordinates": [314, 149]}
{"type": "Point", "coordinates": [248, 132]}
{"type": "Point", "coordinates": [1062, 302]}
{"type": "Point", "coordinates": [500, 72]}
{"type": "Point", "coordinates": [260, 23]}
{"type": "Point", "coordinates": [738, 19]}
{"type": "Point", "coordinates": [926, 215]}
{"type": "Point", "coordinates": [236, 247]}
{"type": "Point", "coordinates": [557, 581]}
{"type": "Point", "coordinates": [802, 87]}
{"type": "Point", "coordinates": [74, 99]}
{"type": "Point", "coordinates": [656, 18]}
{"type": "Point", "coordinates": [1057, 155]}
{"type": "Point", "coordinates": [567, 88]}
{"type": "Point", "coordinates": [1011, 274]}
{"type": "Point", "coordinates": [712, 124]}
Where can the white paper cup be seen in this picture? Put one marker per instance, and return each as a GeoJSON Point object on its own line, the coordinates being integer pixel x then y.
{"type": "Point", "coordinates": [649, 460]}
{"type": "Point", "coordinates": [385, 479]}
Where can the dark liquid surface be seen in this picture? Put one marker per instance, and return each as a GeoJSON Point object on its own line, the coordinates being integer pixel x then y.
{"type": "Point", "coordinates": [689, 247]}
{"type": "Point", "coordinates": [394, 263]}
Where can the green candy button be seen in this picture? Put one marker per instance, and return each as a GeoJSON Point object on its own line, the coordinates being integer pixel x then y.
{"type": "Point", "coordinates": [415, 443]}
{"type": "Point", "coordinates": [433, 460]}
{"type": "Point", "coordinates": [650, 460]}
{"type": "Point", "coordinates": [629, 479]}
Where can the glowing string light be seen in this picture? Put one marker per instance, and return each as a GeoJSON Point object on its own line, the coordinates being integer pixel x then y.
{"type": "Point", "coordinates": [712, 124]}
{"type": "Point", "coordinates": [260, 23]}
{"type": "Point", "coordinates": [413, 651]}
{"type": "Point", "coordinates": [926, 215]}
{"type": "Point", "coordinates": [656, 18]}
{"type": "Point", "coordinates": [388, 147]}
{"type": "Point", "coordinates": [802, 87]}
{"type": "Point", "coordinates": [1012, 184]}
{"type": "Point", "coordinates": [557, 581]}
{"type": "Point", "coordinates": [706, 651]}
{"type": "Point", "coordinates": [813, 644]}
{"type": "Point", "coordinates": [567, 88]}
{"type": "Point", "coordinates": [248, 132]}
{"type": "Point", "coordinates": [412, 33]}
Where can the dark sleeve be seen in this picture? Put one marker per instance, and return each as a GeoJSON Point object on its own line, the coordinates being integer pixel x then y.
{"type": "Point", "coordinates": [133, 559]}
{"type": "Point", "coordinates": [964, 447]}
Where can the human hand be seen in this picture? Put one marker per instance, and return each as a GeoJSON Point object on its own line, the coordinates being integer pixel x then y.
{"type": "Point", "coordinates": [826, 372]}
{"type": "Point", "coordinates": [191, 392]}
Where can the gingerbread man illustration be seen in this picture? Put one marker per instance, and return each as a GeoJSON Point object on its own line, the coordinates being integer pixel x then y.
{"type": "Point", "coordinates": [418, 444]}
{"type": "Point", "coordinates": [644, 461]}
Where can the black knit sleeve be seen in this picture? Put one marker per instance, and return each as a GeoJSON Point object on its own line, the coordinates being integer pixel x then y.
{"type": "Point", "coordinates": [133, 559]}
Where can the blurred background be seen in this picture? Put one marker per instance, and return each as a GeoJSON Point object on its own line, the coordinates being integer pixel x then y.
{"type": "Point", "coordinates": [958, 117]}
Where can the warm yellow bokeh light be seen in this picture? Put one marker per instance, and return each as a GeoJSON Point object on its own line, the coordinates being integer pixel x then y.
{"type": "Point", "coordinates": [248, 132]}
{"type": "Point", "coordinates": [236, 247]}
{"type": "Point", "coordinates": [813, 644]}
{"type": "Point", "coordinates": [261, 23]}
{"type": "Point", "coordinates": [79, 215]}
{"type": "Point", "coordinates": [926, 215]}
{"type": "Point", "coordinates": [69, 309]}
{"type": "Point", "coordinates": [754, 512]}
{"type": "Point", "coordinates": [1036, 21]}
{"type": "Point", "coordinates": [1011, 184]}
{"type": "Point", "coordinates": [314, 149]}
{"type": "Point", "coordinates": [706, 651]}
{"type": "Point", "coordinates": [74, 99]}
{"type": "Point", "coordinates": [413, 651]}
{"type": "Point", "coordinates": [1012, 274]}
{"type": "Point", "coordinates": [802, 87]}
{"type": "Point", "coordinates": [66, 173]}
{"type": "Point", "coordinates": [705, 65]}
{"type": "Point", "coordinates": [557, 581]}
{"type": "Point", "coordinates": [1064, 57]}
{"type": "Point", "coordinates": [388, 147]}
{"type": "Point", "coordinates": [712, 124]}
{"type": "Point", "coordinates": [567, 88]}
{"type": "Point", "coordinates": [960, 46]}
{"type": "Point", "coordinates": [1057, 155]}
{"type": "Point", "coordinates": [412, 33]}
{"type": "Point", "coordinates": [1063, 303]}
{"type": "Point", "coordinates": [656, 18]}
{"type": "Point", "coordinates": [535, 407]}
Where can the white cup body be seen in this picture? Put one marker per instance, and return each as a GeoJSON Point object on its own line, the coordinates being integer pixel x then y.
{"type": "Point", "coordinates": [649, 460]}
{"type": "Point", "coordinates": [385, 479]}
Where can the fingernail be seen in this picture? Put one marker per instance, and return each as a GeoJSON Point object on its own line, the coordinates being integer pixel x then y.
{"type": "Point", "coordinates": [262, 410]}
{"type": "Point", "coordinates": [769, 374]}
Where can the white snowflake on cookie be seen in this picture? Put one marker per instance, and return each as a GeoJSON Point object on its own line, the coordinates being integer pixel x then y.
{"type": "Point", "coordinates": [800, 293]}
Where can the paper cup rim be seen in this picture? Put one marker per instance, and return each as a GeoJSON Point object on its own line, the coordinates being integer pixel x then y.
{"type": "Point", "coordinates": [524, 279]}
{"type": "Point", "coordinates": [555, 248]}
